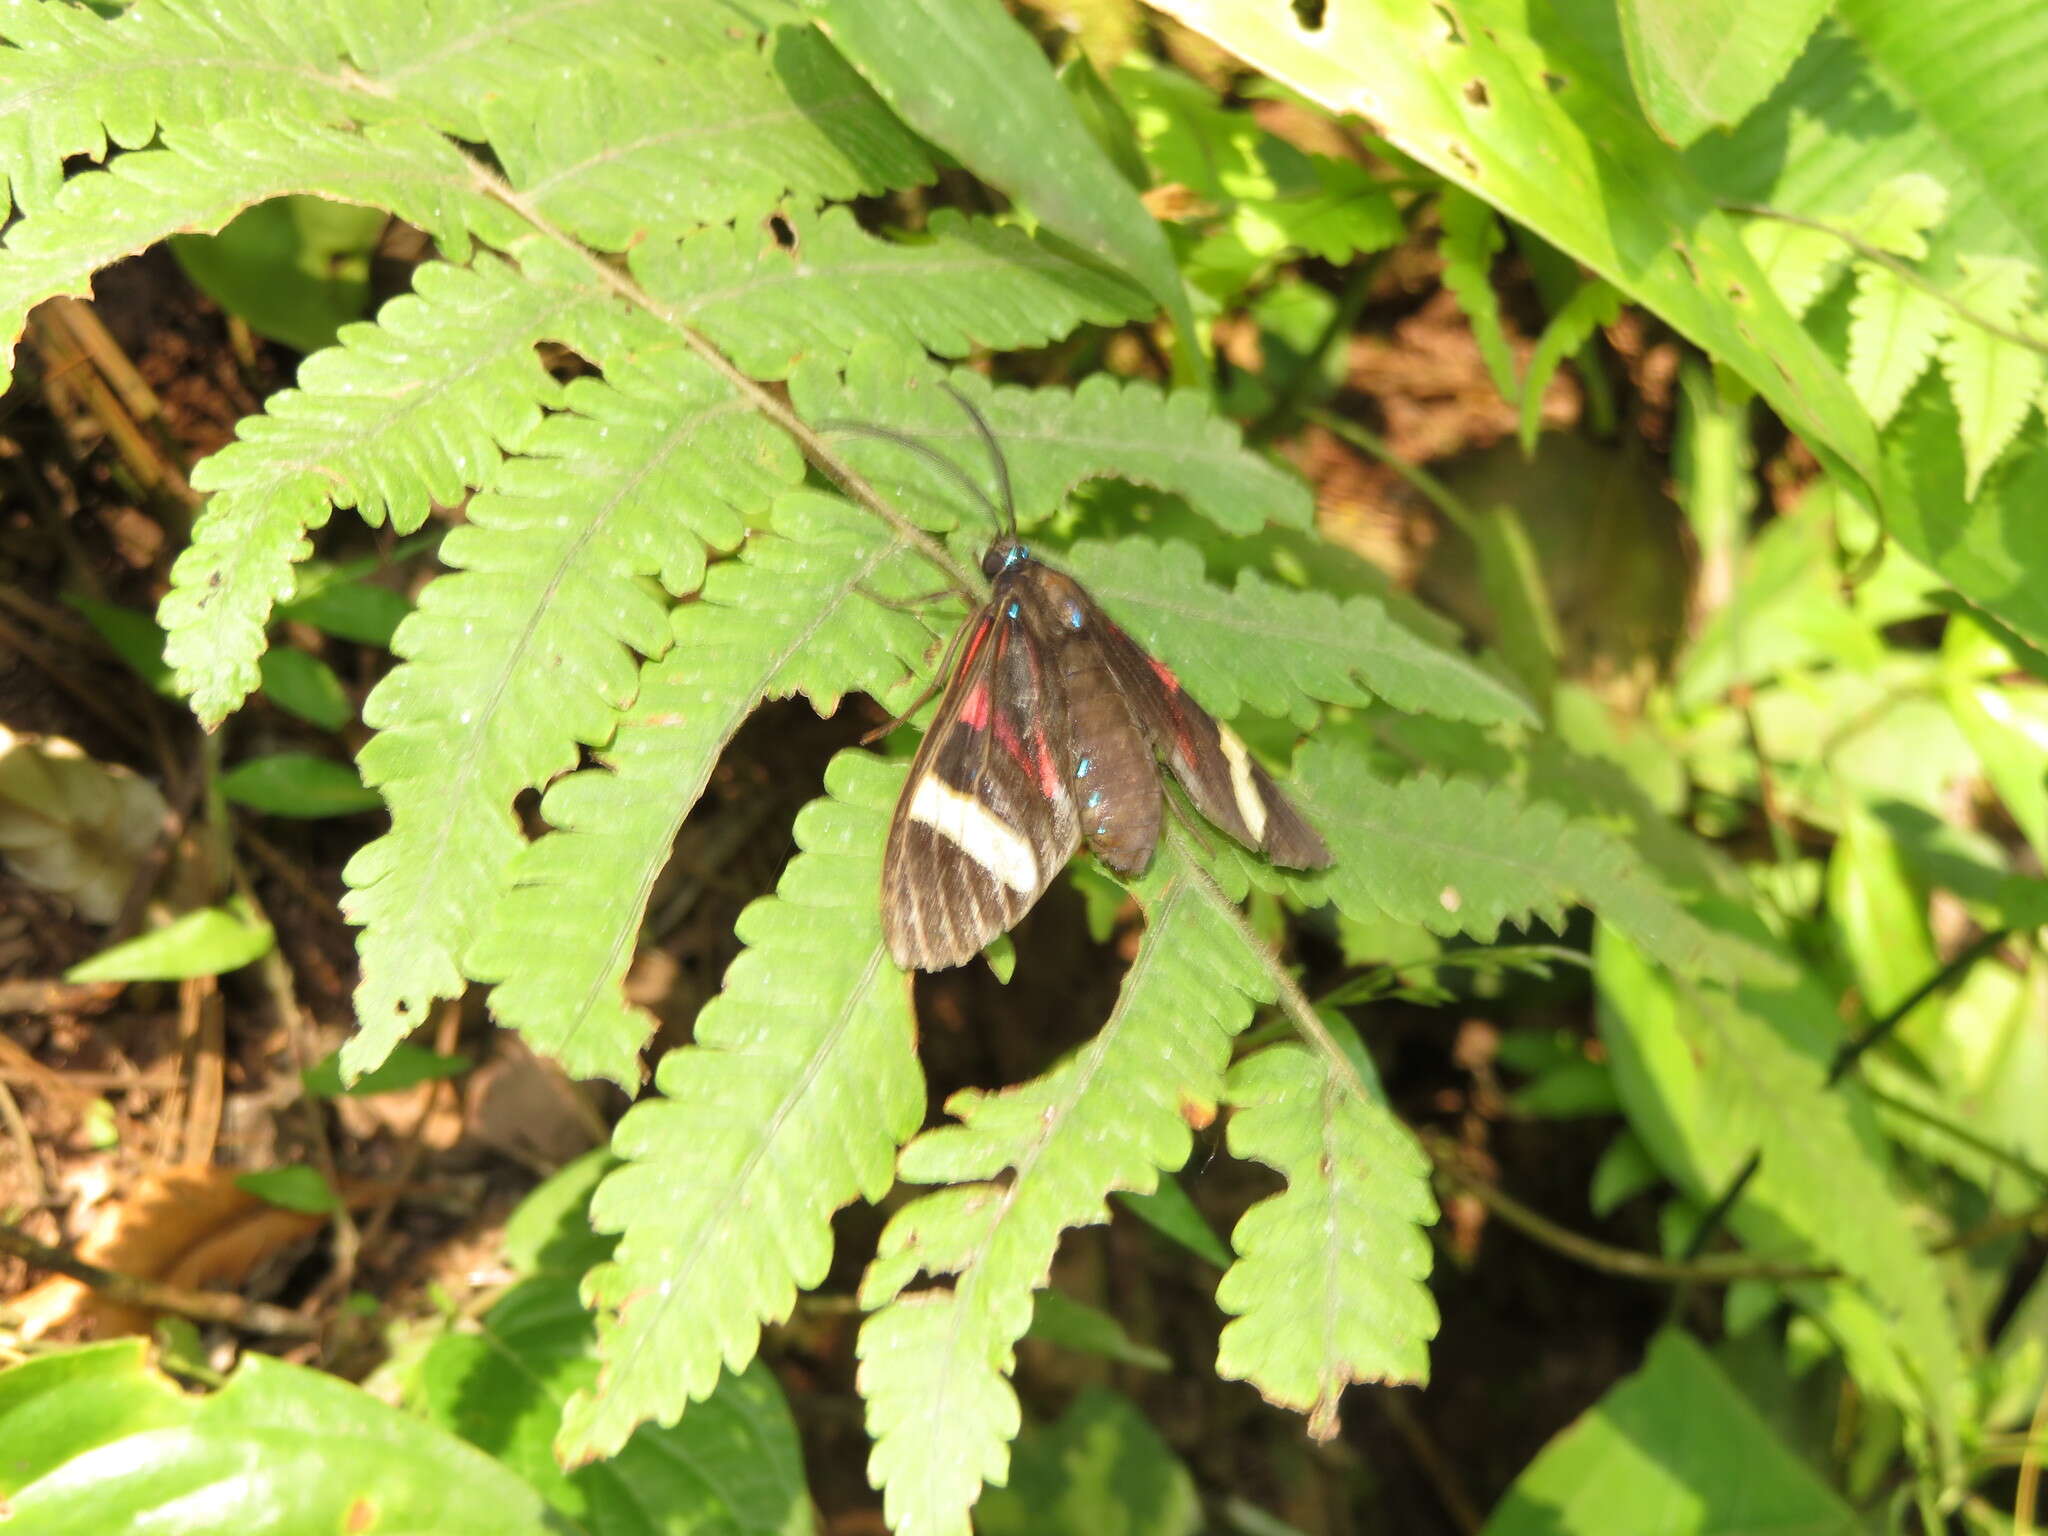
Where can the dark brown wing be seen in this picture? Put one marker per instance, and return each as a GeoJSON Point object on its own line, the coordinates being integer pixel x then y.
{"type": "Point", "coordinates": [985, 820]}
{"type": "Point", "coordinates": [1218, 771]}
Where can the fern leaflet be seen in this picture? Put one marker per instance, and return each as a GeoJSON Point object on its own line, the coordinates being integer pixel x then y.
{"type": "Point", "coordinates": [787, 617]}
{"type": "Point", "coordinates": [1112, 1117]}
{"type": "Point", "coordinates": [1329, 1289]}
{"type": "Point", "coordinates": [803, 1082]}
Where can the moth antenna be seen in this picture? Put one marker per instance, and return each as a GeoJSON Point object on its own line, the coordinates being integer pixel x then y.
{"type": "Point", "coordinates": [995, 455]}
{"type": "Point", "coordinates": [924, 451]}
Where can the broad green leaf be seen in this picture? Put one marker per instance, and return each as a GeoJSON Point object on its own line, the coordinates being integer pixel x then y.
{"type": "Point", "coordinates": [1100, 1469]}
{"type": "Point", "coordinates": [298, 1188]}
{"type": "Point", "coordinates": [1168, 1211]}
{"type": "Point", "coordinates": [1105, 118]}
{"type": "Point", "coordinates": [294, 269]}
{"type": "Point", "coordinates": [111, 1445]}
{"type": "Point", "coordinates": [208, 942]}
{"type": "Point", "coordinates": [1674, 1449]}
{"type": "Point", "coordinates": [550, 1232]}
{"type": "Point", "coordinates": [1545, 127]}
{"type": "Point", "coordinates": [1894, 326]}
{"type": "Point", "coordinates": [1329, 1286]}
{"type": "Point", "coordinates": [1880, 921]}
{"type": "Point", "coordinates": [345, 608]}
{"type": "Point", "coordinates": [1058, 1319]}
{"type": "Point", "coordinates": [801, 1083]}
{"type": "Point", "coordinates": [1702, 66]}
{"type": "Point", "coordinates": [406, 1067]}
{"type": "Point", "coordinates": [996, 107]}
{"type": "Point", "coordinates": [305, 686]}
{"type": "Point", "coordinates": [1593, 305]}
{"type": "Point", "coordinates": [732, 1466]}
{"type": "Point", "coordinates": [1511, 573]}
{"type": "Point", "coordinates": [133, 636]}
{"type": "Point", "coordinates": [298, 784]}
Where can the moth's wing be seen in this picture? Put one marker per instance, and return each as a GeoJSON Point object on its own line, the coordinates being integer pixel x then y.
{"type": "Point", "coordinates": [1217, 770]}
{"type": "Point", "coordinates": [985, 820]}
{"type": "Point", "coordinates": [1111, 769]}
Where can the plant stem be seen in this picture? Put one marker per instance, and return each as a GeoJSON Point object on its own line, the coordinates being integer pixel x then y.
{"type": "Point", "coordinates": [155, 1295]}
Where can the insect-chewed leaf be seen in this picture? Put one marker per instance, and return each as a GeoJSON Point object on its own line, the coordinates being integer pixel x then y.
{"type": "Point", "coordinates": [829, 285]}
{"type": "Point", "coordinates": [801, 1084]}
{"type": "Point", "coordinates": [1053, 438]}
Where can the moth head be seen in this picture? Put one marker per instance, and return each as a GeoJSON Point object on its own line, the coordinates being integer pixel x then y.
{"type": "Point", "coordinates": [1001, 555]}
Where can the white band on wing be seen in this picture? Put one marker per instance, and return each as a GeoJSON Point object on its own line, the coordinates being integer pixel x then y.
{"type": "Point", "coordinates": [1250, 804]}
{"type": "Point", "coordinates": [979, 833]}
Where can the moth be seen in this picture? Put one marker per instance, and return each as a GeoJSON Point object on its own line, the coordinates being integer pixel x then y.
{"type": "Point", "coordinates": [1049, 734]}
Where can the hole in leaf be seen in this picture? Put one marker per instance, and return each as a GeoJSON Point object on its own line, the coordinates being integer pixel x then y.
{"type": "Point", "coordinates": [1309, 14]}
{"type": "Point", "coordinates": [1476, 93]}
{"type": "Point", "coordinates": [781, 231]}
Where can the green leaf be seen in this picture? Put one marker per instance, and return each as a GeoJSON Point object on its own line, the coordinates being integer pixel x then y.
{"type": "Point", "coordinates": [99, 1441]}
{"type": "Point", "coordinates": [1540, 121]}
{"type": "Point", "coordinates": [345, 608]}
{"type": "Point", "coordinates": [1994, 379]}
{"type": "Point", "coordinates": [300, 1189]}
{"type": "Point", "coordinates": [298, 784]}
{"type": "Point", "coordinates": [1053, 440]}
{"type": "Point", "coordinates": [294, 270]}
{"type": "Point", "coordinates": [305, 686]}
{"type": "Point", "coordinates": [1168, 1211]}
{"type": "Point", "coordinates": [1279, 651]}
{"type": "Point", "coordinates": [788, 616]}
{"type": "Point", "coordinates": [997, 109]}
{"type": "Point", "coordinates": [1880, 920]}
{"type": "Point", "coordinates": [1457, 857]}
{"type": "Point", "coordinates": [1709, 1078]}
{"type": "Point", "coordinates": [1329, 1286]}
{"type": "Point", "coordinates": [135, 637]}
{"type": "Point", "coordinates": [1113, 1116]}
{"type": "Point", "coordinates": [1591, 306]}
{"type": "Point", "coordinates": [406, 1067]}
{"type": "Point", "coordinates": [1675, 1449]}
{"type": "Point", "coordinates": [1058, 1319]}
{"type": "Point", "coordinates": [1105, 118]}
{"type": "Point", "coordinates": [1893, 328]}
{"type": "Point", "coordinates": [527, 651]}
{"type": "Point", "coordinates": [733, 1465]}
{"type": "Point", "coordinates": [209, 942]}
{"type": "Point", "coordinates": [1102, 1468]}
{"type": "Point", "coordinates": [1472, 238]}
{"type": "Point", "coordinates": [550, 1232]}
{"type": "Point", "coordinates": [1702, 66]}
{"type": "Point", "coordinates": [801, 1084]}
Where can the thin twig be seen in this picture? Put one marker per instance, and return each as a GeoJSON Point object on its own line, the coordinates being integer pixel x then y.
{"type": "Point", "coordinates": [2023, 1502]}
{"type": "Point", "coordinates": [1982, 1145]}
{"type": "Point", "coordinates": [1439, 495]}
{"type": "Point", "coordinates": [24, 1147]}
{"type": "Point", "coordinates": [156, 1295]}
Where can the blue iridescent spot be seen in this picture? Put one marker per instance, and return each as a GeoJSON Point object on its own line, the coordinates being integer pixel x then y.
{"type": "Point", "coordinates": [1098, 831]}
{"type": "Point", "coordinates": [1013, 610]}
{"type": "Point", "coordinates": [1094, 798]}
{"type": "Point", "coordinates": [1073, 618]}
{"type": "Point", "coordinates": [1081, 768]}
{"type": "Point", "coordinates": [1013, 554]}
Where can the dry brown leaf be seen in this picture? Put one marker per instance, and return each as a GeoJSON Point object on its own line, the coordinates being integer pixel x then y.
{"type": "Point", "coordinates": [74, 826]}
{"type": "Point", "coordinates": [189, 1226]}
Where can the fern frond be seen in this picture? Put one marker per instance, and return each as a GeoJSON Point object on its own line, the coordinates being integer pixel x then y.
{"type": "Point", "coordinates": [1329, 1286]}
{"type": "Point", "coordinates": [803, 1082]}
{"type": "Point", "coordinates": [1053, 438]}
{"type": "Point", "coordinates": [786, 617]}
{"type": "Point", "coordinates": [410, 411]}
{"type": "Point", "coordinates": [1277, 650]}
{"type": "Point", "coordinates": [1471, 239]}
{"type": "Point", "coordinates": [1893, 328]}
{"type": "Point", "coordinates": [964, 283]}
{"type": "Point", "coordinates": [1992, 380]}
{"type": "Point", "coordinates": [525, 651]}
{"type": "Point", "coordinates": [1711, 1077]}
{"type": "Point", "coordinates": [738, 126]}
{"type": "Point", "coordinates": [1112, 1117]}
{"type": "Point", "coordinates": [1460, 857]}
{"type": "Point", "coordinates": [197, 182]}
{"type": "Point", "coordinates": [75, 81]}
